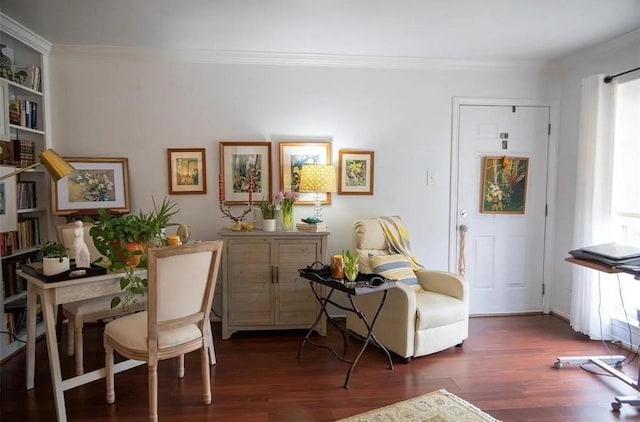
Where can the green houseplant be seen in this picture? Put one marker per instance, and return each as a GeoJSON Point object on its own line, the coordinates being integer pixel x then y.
{"type": "Point", "coordinates": [123, 241]}
{"type": "Point", "coordinates": [351, 261]}
{"type": "Point", "coordinates": [55, 258]}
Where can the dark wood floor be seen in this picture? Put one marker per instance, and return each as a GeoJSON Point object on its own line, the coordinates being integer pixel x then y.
{"type": "Point", "coordinates": [505, 368]}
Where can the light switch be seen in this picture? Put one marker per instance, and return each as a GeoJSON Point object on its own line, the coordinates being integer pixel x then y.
{"type": "Point", "coordinates": [431, 178]}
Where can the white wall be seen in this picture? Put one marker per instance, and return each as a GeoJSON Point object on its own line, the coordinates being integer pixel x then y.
{"type": "Point", "coordinates": [611, 58]}
{"type": "Point", "coordinates": [137, 108]}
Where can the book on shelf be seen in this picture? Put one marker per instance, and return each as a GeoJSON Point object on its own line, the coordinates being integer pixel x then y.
{"type": "Point", "coordinates": [26, 193]}
{"type": "Point", "coordinates": [311, 227]}
{"type": "Point", "coordinates": [23, 152]}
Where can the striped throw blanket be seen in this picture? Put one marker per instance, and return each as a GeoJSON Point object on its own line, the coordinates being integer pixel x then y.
{"type": "Point", "coordinates": [398, 239]}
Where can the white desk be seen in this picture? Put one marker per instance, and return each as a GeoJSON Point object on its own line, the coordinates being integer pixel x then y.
{"type": "Point", "coordinates": [604, 362]}
{"type": "Point", "coordinates": [53, 294]}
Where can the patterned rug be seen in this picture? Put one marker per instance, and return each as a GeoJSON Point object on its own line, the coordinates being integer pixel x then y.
{"type": "Point", "coordinates": [438, 406]}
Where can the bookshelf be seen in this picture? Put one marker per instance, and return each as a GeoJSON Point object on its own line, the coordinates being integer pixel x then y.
{"type": "Point", "coordinates": [24, 122]}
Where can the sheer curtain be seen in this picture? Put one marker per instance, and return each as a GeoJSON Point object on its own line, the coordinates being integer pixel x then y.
{"type": "Point", "coordinates": [592, 217]}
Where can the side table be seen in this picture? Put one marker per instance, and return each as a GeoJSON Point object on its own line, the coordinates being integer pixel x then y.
{"type": "Point", "coordinates": [365, 284]}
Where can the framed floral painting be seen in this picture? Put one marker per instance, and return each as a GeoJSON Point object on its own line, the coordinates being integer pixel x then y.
{"type": "Point", "coordinates": [187, 171]}
{"type": "Point", "coordinates": [355, 172]}
{"type": "Point", "coordinates": [245, 172]}
{"type": "Point", "coordinates": [95, 183]}
{"type": "Point", "coordinates": [293, 155]}
{"type": "Point", "coordinates": [504, 185]}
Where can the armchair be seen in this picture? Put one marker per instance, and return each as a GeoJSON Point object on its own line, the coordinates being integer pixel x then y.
{"type": "Point", "coordinates": [421, 316]}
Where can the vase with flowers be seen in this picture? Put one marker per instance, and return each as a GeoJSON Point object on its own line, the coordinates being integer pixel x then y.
{"type": "Point", "coordinates": [286, 200]}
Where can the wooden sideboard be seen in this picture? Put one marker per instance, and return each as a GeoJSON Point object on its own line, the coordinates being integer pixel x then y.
{"type": "Point", "coordinates": [262, 289]}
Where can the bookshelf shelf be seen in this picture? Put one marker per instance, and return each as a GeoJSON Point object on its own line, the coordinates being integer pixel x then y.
{"type": "Point", "coordinates": [24, 124]}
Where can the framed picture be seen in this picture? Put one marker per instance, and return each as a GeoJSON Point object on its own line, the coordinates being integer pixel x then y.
{"type": "Point", "coordinates": [504, 185]}
{"type": "Point", "coordinates": [355, 172]}
{"type": "Point", "coordinates": [238, 161]}
{"type": "Point", "coordinates": [8, 203]}
{"type": "Point", "coordinates": [96, 183]}
{"type": "Point", "coordinates": [293, 155]}
{"type": "Point", "coordinates": [187, 171]}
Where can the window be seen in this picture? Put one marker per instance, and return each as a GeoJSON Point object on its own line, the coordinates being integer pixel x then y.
{"type": "Point", "coordinates": [625, 202]}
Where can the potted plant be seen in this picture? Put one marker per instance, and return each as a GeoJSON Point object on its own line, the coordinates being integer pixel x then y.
{"type": "Point", "coordinates": [123, 240]}
{"type": "Point", "coordinates": [55, 259]}
{"type": "Point", "coordinates": [351, 261]}
{"type": "Point", "coordinates": [268, 216]}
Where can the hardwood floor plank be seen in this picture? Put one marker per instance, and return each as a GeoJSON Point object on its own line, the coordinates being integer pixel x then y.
{"type": "Point", "coordinates": [505, 368]}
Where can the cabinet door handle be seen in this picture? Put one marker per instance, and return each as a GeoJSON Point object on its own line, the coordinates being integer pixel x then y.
{"type": "Point", "coordinates": [274, 274]}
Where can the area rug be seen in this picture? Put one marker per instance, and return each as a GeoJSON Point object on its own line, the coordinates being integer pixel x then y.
{"type": "Point", "coordinates": [438, 406]}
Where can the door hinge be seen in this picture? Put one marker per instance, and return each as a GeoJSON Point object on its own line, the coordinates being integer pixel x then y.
{"type": "Point", "coordinates": [542, 289]}
{"type": "Point", "coordinates": [513, 109]}
{"type": "Point", "coordinates": [549, 130]}
{"type": "Point", "coordinates": [546, 210]}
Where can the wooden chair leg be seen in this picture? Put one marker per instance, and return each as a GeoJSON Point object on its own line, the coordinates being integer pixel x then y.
{"type": "Point", "coordinates": [108, 365]}
{"type": "Point", "coordinates": [212, 351]}
{"type": "Point", "coordinates": [79, 350]}
{"type": "Point", "coordinates": [153, 392]}
{"type": "Point", "coordinates": [181, 366]}
{"type": "Point", "coordinates": [206, 375]}
{"type": "Point", "coordinates": [71, 333]}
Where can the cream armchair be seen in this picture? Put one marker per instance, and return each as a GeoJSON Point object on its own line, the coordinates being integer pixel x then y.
{"type": "Point", "coordinates": [417, 320]}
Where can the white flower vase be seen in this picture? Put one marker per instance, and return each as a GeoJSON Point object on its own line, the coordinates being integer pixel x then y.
{"type": "Point", "coordinates": [269, 225]}
{"type": "Point", "coordinates": [53, 266]}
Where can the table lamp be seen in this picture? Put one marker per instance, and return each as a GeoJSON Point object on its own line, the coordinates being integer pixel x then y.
{"type": "Point", "coordinates": [318, 178]}
{"type": "Point", "coordinates": [56, 166]}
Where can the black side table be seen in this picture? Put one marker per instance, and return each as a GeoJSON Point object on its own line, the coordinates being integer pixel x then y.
{"type": "Point", "coordinates": [365, 284]}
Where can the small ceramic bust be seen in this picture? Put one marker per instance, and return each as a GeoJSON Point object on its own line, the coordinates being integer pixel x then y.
{"type": "Point", "coordinates": [79, 247]}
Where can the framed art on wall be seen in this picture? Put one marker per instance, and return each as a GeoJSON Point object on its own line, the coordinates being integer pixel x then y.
{"type": "Point", "coordinates": [504, 185]}
{"type": "Point", "coordinates": [355, 172]}
{"type": "Point", "coordinates": [238, 161]}
{"type": "Point", "coordinates": [293, 155]}
{"type": "Point", "coordinates": [187, 171]}
{"type": "Point", "coordinates": [95, 183]}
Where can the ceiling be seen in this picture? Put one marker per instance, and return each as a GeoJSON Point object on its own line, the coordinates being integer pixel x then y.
{"type": "Point", "coordinates": [511, 30]}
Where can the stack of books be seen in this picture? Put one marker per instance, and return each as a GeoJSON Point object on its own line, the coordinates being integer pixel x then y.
{"type": "Point", "coordinates": [311, 227]}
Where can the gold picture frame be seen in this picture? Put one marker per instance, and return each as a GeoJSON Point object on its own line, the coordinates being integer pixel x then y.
{"type": "Point", "coordinates": [187, 170]}
{"type": "Point", "coordinates": [504, 185]}
{"type": "Point", "coordinates": [293, 155]}
{"type": "Point", "coordinates": [239, 160]}
{"type": "Point", "coordinates": [95, 183]}
{"type": "Point", "coordinates": [355, 172]}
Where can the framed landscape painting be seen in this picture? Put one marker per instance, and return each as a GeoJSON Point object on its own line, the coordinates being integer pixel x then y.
{"type": "Point", "coordinates": [8, 204]}
{"type": "Point", "coordinates": [504, 185]}
{"type": "Point", "coordinates": [238, 161]}
{"type": "Point", "coordinates": [293, 155]}
{"type": "Point", "coordinates": [355, 172]}
{"type": "Point", "coordinates": [187, 171]}
{"type": "Point", "coordinates": [95, 183]}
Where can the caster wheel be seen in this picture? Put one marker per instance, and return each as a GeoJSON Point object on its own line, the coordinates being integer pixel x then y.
{"type": "Point", "coordinates": [615, 406]}
{"type": "Point", "coordinates": [557, 365]}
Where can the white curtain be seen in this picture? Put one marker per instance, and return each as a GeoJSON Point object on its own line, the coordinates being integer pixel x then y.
{"type": "Point", "coordinates": [589, 311]}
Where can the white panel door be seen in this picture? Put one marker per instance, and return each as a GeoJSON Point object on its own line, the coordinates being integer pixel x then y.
{"type": "Point", "coordinates": [504, 252]}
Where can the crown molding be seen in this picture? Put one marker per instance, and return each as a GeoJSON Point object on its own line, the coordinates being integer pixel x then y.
{"type": "Point", "coordinates": [24, 35]}
{"type": "Point", "coordinates": [284, 59]}
{"type": "Point", "coordinates": [576, 59]}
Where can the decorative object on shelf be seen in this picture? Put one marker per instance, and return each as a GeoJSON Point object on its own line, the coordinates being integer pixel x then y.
{"type": "Point", "coordinates": [238, 161]}
{"type": "Point", "coordinates": [227, 212]}
{"type": "Point", "coordinates": [318, 178]}
{"type": "Point", "coordinates": [187, 171]}
{"type": "Point", "coordinates": [504, 185]}
{"type": "Point", "coordinates": [269, 224]}
{"type": "Point", "coordinates": [355, 172]}
{"type": "Point", "coordinates": [123, 241]}
{"type": "Point", "coordinates": [184, 233]}
{"type": "Point", "coordinates": [285, 201]}
{"type": "Point", "coordinates": [5, 64]}
{"type": "Point", "coordinates": [95, 183]}
{"type": "Point", "coordinates": [174, 240]}
{"type": "Point", "coordinates": [268, 210]}
{"type": "Point", "coordinates": [351, 261]}
{"type": "Point", "coordinates": [293, 156]}
{"type": "Point", "coordinates": [79, 247]}
{"type": "Point", "coordinates": [55, 258]}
